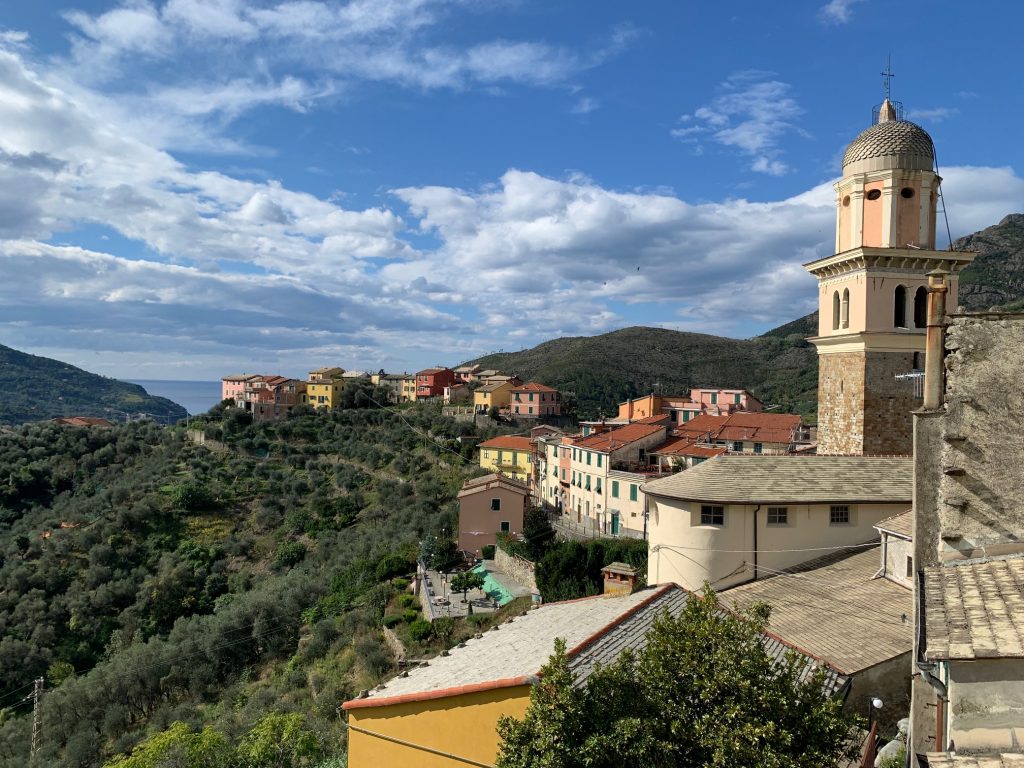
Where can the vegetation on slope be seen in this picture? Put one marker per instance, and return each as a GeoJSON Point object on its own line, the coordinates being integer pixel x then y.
{"type": "Point", "coordinates": [37, 388]}
{"type": "Point", "coordinates": [151, 580]}
{"type": "Point", "coordinates": [605, 370]}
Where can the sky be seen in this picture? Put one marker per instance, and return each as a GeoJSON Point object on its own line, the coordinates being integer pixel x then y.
{"type": "Point", "coordinates": [192, 188]}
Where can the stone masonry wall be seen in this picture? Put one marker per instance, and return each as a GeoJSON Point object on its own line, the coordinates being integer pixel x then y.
{"type": "Point", "coordinates": [841, 403]}
{"type": "Point", "coordinates": [888, 403]}
{"type": "Point", "coordinates": [518, 568]}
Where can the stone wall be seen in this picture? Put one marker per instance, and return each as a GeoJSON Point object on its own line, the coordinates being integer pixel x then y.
{"type": "Point", "coordinates": [888, 404]}
{"type": "Point", "coordinates": [518, 568]}
{"type": "Point", "coordinates": [841, 403]}
{"type": "Point", "coordinates": [971, 450]}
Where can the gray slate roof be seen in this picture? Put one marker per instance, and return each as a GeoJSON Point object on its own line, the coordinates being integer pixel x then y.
{"type": "Point", "coordinates": [975, 609]}
{"type": "Point", "coordinates": [892, 138]}
{"type": "Point", "coordinates": [833, 608]}
{"type": "Point", "coordinates": [901, 525]}
{"type": "Point", "coordinates": [947, 760]}
{"type": "Point", "coordinates": [793, 479]}
{"type": "Point", "coordinates": [596, 630]}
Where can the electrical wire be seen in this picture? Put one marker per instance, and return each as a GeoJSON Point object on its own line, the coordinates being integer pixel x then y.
{"type": "Point", "coordinates": [751, 551]}
{"type": "Point", "coordinates": [945, 215]}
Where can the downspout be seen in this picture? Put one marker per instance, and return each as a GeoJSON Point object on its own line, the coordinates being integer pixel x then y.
{"type": "Point", "coordinates": [756, 510]}
{"type": "Point", "coordinates": [935, 340]}
{"type": "Point", "coordinates": [928, 670]}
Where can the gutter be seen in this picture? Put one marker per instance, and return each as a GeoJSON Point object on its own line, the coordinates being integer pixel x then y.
{"type": "Point", "coordinates": [928, 670]}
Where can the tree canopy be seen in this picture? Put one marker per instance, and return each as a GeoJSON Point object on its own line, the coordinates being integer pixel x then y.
{"type": "Point", "coordinates": [702, 692]}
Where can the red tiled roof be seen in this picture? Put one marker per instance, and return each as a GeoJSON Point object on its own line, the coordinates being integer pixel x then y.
{"type": "Point", "coordinates": [657, 418]}
{"type": "Point", "coordinates": [685, 446]}
{"type": "Point", "coordinates": [616, 438]}
{"type": "Point", "coordinates": [508, 442]}
{"type": "Point", "coordinates": [430, 371]}
{"type": "Point", "coordinates": [82, 421]}
{"type": "Point", "coordinates": [763, 427]}
{"type": "Point", "coordinates": [701, 425]}
{"type": "Point", "coordinates": [533, 386]}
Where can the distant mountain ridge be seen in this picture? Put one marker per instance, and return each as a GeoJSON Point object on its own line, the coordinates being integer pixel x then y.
{"type": "Point", "coordinates": [37, 388]}
{"type": "Point", "coordinates": [779, 366]}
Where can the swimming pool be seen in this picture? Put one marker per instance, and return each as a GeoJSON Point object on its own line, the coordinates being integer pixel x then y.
{"type": "Point", "coordinates": [493, 587]}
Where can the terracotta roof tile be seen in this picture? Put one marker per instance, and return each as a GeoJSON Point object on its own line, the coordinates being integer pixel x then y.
{"type": "Point", "coordinates": [614, 439]}
{"type": "Point", "coordinates": [508, 442]}
{"type": "Point", "coordinates": [533, 386]}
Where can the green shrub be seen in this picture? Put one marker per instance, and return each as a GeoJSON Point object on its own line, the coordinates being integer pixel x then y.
{"type": "Point", "coordinates": [407, 601]}
{"type": "Point", "coordinates": [288, 554]}
{"type": "Point", "coordinates": [400, 583]}
{"type": "Point", "coordinates": [419, 630]}
{"type": "Point", "coordinates": [477, 618]}
{"type": "Point", "coordinates": [487, 552]}
{"type": "Point", "coordinates": [410, 614]}
{"type": "Point", "coordinates": [392, 619]}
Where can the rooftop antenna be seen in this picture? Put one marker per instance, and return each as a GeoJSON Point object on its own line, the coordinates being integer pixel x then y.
{"type": "Point", "coordinates": [887, 75]}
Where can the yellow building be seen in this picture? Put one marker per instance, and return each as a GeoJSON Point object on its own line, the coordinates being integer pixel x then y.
{"type": "Point", "coordinates": [510, 455]}
{"type": "Point", "coordinates": [408, 389]}
{"type": "Point", "coordinates": [497, 394]}
{"type": "Point", "coordinates": [324, 387]}
{"type": "Point", "coordinates": [445, 714]}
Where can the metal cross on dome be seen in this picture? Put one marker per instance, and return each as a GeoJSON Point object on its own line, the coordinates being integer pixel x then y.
{"type": "Point", "coordinates": [887, 75]}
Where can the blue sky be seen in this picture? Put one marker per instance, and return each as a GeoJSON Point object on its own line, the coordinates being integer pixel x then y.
{"type": "Point", "coordinates": [195, 187]}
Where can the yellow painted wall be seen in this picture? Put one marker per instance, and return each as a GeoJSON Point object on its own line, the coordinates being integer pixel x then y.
{"type": "Point", "coordinates": [501, 396]}
{"type": "Point", "coordinates": [463, 725]}
{"type": "Point", "coordinates": [329, 390]}
{"type": "Point", "coordinates": [514, 464]}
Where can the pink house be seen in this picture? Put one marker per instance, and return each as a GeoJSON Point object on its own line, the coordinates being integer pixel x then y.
{"type": "Point", "coordinates": [718, 402]}
{"type": "Point", "coordinates": [233, 387]}
{"type": "Point", "coordinates": [533, 400]}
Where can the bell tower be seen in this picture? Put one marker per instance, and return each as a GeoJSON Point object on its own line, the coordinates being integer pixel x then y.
{"type": "Point", "coordinates": [872, 293]}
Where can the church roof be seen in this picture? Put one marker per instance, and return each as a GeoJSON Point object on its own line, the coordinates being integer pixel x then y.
{"type": "Point", "coordinates": [891, 143]}
{"type": "Point", "coordinates": [791, 479]}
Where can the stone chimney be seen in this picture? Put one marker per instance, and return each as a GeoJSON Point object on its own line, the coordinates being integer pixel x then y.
{"type": "Point", "coordinates": [619, 579]}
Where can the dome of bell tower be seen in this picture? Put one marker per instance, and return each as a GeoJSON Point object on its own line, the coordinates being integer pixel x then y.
{"type": "Point", "coordinates": [891, 143]}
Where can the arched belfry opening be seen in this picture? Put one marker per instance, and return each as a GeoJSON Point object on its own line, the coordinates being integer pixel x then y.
{"type": "Point", "coordinates": [921, 307]}
{"type": "Point", "coordinates": [845, 311]}
{"type": "Point", "coordinates": [899, 308]}
{"type": "Point", "coordinates": [835, 311]}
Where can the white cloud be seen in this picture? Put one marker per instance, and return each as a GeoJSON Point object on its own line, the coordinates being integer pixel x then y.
{"type": "Point", "coordinates": [837, 11]}
{"type": "Point", "coordinates": [933, 115]}
{"type": "Point", "coordinates": [752, 114]}
{"type": "Point", "coordinates": [585, 106]}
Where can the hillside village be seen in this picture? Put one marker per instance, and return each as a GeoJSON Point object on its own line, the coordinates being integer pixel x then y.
{"type": "Point", "coordinates": [886, 537]}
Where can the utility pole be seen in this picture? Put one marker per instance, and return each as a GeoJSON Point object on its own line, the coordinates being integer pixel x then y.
{"type": "Point", "coordinates": [37, 694]}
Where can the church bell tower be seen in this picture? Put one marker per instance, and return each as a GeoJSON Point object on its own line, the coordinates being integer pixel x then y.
{"type": "Point", "coordinates": [872, 293]}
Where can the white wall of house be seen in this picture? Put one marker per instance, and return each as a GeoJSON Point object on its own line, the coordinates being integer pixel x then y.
{"type": "Point", "coordinates": [986, 704]}
{"type": "Point", "coordinates": [687, 551]}
{"type": "Point", "coordinates": [898, 560]}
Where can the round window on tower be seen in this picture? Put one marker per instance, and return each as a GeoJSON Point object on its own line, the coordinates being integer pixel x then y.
{"type": "Point", "coordinates": [846, 201]}
{"type": "Point", "coordinates": [874, 194]}
{"type": "Point", "coordinates": [906, 193]}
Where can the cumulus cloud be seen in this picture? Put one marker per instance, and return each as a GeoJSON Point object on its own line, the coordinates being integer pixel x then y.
{"type": "Point", "coordinates": [752, 114]}
{"type": "Point", "coordinates": [837, 11]}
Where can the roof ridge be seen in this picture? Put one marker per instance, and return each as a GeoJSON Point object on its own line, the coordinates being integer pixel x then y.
{"type": "Point", "coordinates": [587, 642]}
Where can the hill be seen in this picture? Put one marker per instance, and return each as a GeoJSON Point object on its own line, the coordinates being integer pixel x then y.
{"type": "Point", "coordinates": [607, 369]}
{"type": "Point", "coordinates": [37, 388]}
{"type": "Point", "coordinates": [779, 366]}
{"type": "Point", "coordinates": [151, 580]}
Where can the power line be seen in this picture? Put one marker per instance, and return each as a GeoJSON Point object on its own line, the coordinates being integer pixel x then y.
{"type": "Point", "coordinates": [656, 547]}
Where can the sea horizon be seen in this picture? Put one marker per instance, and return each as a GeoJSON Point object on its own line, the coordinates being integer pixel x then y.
{"type": "Point", "coordinates": [194, 396]}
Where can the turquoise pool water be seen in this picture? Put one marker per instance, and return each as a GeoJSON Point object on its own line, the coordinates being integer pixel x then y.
{"type": "Point", "coordinates": [492, 587]}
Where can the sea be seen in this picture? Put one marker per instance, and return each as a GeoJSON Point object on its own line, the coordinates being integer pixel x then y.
{"type": "Point", "coordinates": [194, 396]}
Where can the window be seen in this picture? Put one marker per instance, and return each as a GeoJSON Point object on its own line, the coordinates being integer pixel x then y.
{"type": "Point", "coordinates": [778, 515]}
{"type": "Point", "coordinates": [597, 485]}
{"type": "Point", "coordinates": [714, 398]}
{"type": "Point", "coordinates": [835, 311]}
{"type": "Point", "coordinates": [588, 482]}
{"type": "Point", "coordinates": [505, 526]}
{"type": "Point", "coordinates": [615, 489]}
{"type": "Point", "coordinates": [563, 474]}
{"type": "Point", "coordinates": [910, 567]}
{"type": "Point", "coordinates": [496, 505]}
{"type": "Point", "coordinates": [712, 515]}
{"type": "Point", "coordinates": [588, 458]}
{"type": "Point", "coordinates": [845, 314]}
{"type": "Point", "coordinates": [531, 409]}
{"type": "Point", "coordinates": [907, 193]}
{"type": "Point", "coordinates": [531, 397]}
{"type": "Point", "coordinates": [599, 457]}
{"type": "Point", "coordinates": [736, 398]}
{"type": "Point", "coordinates": [839, 515]}
{"type": "Point", "coordinates": [874, 194]}
{"type": "Point", "coordinates": [737, 446]}
{"type": "Point", "coordinates": [687, 415]}
{"type": "Point", "coordinates": [632, 491]}
{"type": "Point", "coordinates": [921, 307]}
{"type": "Point", "coordinates": [899, 309]}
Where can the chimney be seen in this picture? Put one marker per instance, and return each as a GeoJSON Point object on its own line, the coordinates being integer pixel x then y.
{"type": "Point", "coordinates": [619, 579]}
{"type": "Point", "coordinates": [935, 340]}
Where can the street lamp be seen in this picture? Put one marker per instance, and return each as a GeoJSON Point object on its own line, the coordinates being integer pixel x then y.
{"type": "Point", "coordinates": [873, 703]}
